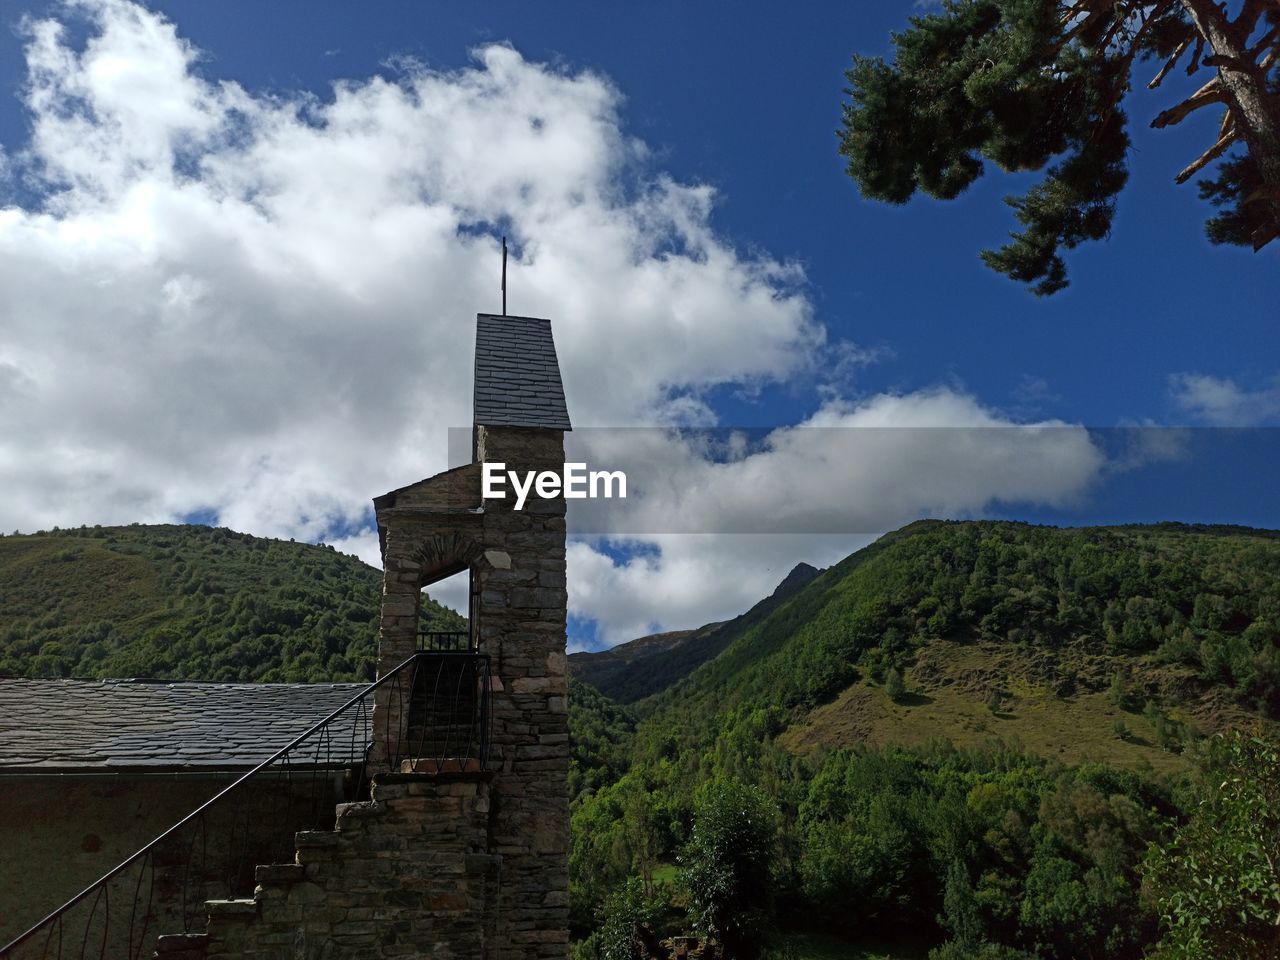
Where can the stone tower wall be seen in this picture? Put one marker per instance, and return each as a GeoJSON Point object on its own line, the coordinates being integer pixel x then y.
{"type": "Point", "coordinates": [523, 603]}
{"type": "Point", "coordinates": [517, 559]}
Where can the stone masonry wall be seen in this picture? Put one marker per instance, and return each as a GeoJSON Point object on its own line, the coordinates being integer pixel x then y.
{"type": "Point", "coordinates": [522, 626]}
{"type": "Point", "coordinates": [517, 561]}
{"type": "Point", "coordinates": [403, 875]}
{"type": "Point", "coordinates": [443, 864]}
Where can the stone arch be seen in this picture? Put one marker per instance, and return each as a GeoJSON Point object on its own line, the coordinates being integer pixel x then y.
{"type": "Point", "coordinates": [443, 555]}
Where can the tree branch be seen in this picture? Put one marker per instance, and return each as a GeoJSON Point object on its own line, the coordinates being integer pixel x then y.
{"type": "Point", "coordinates": [1265, 234]}
{"type": "Point", "coordinates": [1194, 65]}
{"type": "Point", "coordinates": [1248, 18]}
{"type": "Point", "coordinates": [1206, 158]}
{"type": "Point", "coordinates": [1269, 229]}
{"type": "Point", "coordinates": [1085, 24]}
{"type": "Point", "coordinates": [1266, 40]}
{"type": "Point", "coordinates": [1071, 11]}
{"type": "Point", "coordinates": [1225, 61]}
{"type": "Point", "coordinates": [1211, 92]}
{"type": "Point", "coordinates": [1169, 64]}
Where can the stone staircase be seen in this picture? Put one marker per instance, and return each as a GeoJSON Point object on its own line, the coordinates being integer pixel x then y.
{"type": "Point", "coordinates": [405, 874]}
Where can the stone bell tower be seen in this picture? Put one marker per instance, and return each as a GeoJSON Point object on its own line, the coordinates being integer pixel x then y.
{"type": "Point", "coordinates": [516, 696]}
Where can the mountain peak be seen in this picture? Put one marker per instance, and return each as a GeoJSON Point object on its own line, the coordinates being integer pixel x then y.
{"type": "Point", "coordinates": [800, 575]}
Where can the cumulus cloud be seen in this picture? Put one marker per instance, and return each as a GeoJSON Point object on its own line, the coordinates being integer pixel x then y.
{"type": "Point", "coordinates": [851, 467]}
{"type": "Point", "coordinates": [1221, 402]}
{"type": "Point", "coordinates": [719, 528]}
{"type": "Point", "coordinates": [686, 580]}
{"type": "Point", "coordinates": [258, 308]}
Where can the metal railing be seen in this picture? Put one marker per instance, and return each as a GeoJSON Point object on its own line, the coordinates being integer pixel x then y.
{"type": "Point", "coordinates": [444, 641]}
{"type": "Point", "coordinates": [439, 706]}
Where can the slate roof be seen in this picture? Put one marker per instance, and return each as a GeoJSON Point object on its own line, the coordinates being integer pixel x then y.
{"type": "Point", "coordinates": [517, 376]}
{"type": "Point", "coordinates": [59, 726]}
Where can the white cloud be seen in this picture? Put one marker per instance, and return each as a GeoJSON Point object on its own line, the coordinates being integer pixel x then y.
{"type": "Point", "coordinates": [719, 534]}
{"type": "Point", "coordinates": [259, 307]}
{"type": "Point", "coordinates": [851, 467]}
{"type": "Point", "coordinates": [1221, 402]}
{"type": "Point", "coordinates": [686, 580]}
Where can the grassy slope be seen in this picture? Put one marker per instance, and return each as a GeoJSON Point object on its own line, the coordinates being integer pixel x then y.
{"type": "Point", "coordinates": [950, 703]}
{"type": "Point", "coordinates": [187, 601]}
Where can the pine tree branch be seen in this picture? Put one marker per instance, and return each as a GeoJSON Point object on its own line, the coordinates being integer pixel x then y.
{"type": "Point", "coordinates": [1248, 18]}
{"type": "Point", "coordinates": [1206, 158]}
{"type": "Point", "coordinates": [1169, 64]}
{"type": "Point", "coordinates": [1211, 92]}
{"type": "Point", "coordinates": [1089, 20]}
{"type": "Point", "coordinates": [1069, 13]}
{"type": "Point", "coordinates": [1269, 229]}
{"type": "Point", "coordinates": [1225, 61]}
{"type": "Point", "coordinates": [1264, 235]}
{"type": "Point", "coordinates": [1269, 38]}
{"type": "Point", "coordinates": [1194, 65]}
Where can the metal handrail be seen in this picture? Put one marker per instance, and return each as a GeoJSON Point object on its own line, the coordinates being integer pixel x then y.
{"type": "Point", "coordinates": [100, 885]}
{"type": "Point", "coordinates": [445, 641]}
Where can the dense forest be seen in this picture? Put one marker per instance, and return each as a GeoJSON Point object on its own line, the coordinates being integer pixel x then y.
{"type": "Point", "coordinates": [990, 851]}
{"type": "Point", "coordinates": [187, 602]}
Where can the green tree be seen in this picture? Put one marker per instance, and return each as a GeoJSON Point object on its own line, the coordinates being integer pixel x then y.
{"type": "Point", "coordinates": [1217, 881]}
{"type": "Point", "coordinates": [1039, 85]}
{"type": "Point", "coordinates": [726, 865]}
{"type": "Point", "coordinates": [628, 913]}
{"type": "Point", "coordinates": [894, 687]}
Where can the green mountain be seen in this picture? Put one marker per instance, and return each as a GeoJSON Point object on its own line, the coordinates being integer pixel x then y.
{"type": "Point", "coordinates": [961, 740]}
{"type": "Point", "coordinates": [1022, 621]}
{"type": "Point", "coordinates": [187, 602]}
{"type": "Point", "coordinates": [640, 668]}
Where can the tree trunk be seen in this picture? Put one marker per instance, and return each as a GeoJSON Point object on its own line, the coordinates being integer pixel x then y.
{"type": "Point", "coordinates": [1256, 110]}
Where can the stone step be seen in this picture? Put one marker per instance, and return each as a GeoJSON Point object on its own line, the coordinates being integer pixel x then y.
{"type": "Point", "coordinates": [182, 946]}
{"type": "Point", "coordinates": [279, 873]}
{"type": "Point", "coordinates": [352, 818]}
{"type": "Point", "coordinates": [317, 846]}
{"type": "Point", "coordinates": [436, 766]}
{"type": "Point", "coordinates": [231, 909]}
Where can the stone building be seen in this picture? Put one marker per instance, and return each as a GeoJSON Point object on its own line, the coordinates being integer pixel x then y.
{"type": "Point", "coordinates": [91, 771]}
{"type": "Point", "coordinates": [452, 838]}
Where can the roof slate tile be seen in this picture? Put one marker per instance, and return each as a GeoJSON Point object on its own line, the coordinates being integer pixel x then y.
{"type": "Point", "coordinates": [517, 374]}
{"type": "Point", "coordinates": [61, 725]}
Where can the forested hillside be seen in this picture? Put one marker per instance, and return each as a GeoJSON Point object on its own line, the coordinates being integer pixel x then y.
{"type": "Point", "coordinates": [189, 602]}
{"type": "Point", "coordinates": [968, 740]}
{"type": "Point", "coordinates": [1204, 599]}
{"type": "Point", "coordinates": [1132, 645]}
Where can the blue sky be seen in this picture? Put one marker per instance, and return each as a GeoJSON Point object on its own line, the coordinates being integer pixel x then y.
{"type": "Point", "coordinates": [1158, 327]}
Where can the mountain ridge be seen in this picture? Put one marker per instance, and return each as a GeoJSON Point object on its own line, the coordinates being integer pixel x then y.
{"type": "Point", "coordinates": [637, 669]}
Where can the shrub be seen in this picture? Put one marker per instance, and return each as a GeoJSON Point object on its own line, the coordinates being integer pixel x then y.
{"type": "Point", "coordinates": [894, 687]}
{"type": "Point", "coordinates": [726, 865]}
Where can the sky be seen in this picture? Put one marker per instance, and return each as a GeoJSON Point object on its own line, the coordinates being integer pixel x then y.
{"type": "Point", "coordinates": [242, 246]}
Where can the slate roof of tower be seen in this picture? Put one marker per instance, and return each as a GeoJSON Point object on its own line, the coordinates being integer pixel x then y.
{"type": "Point", "coordinates": [102, 725]}
{"type": "Point", "coordinates": [517, 376]}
